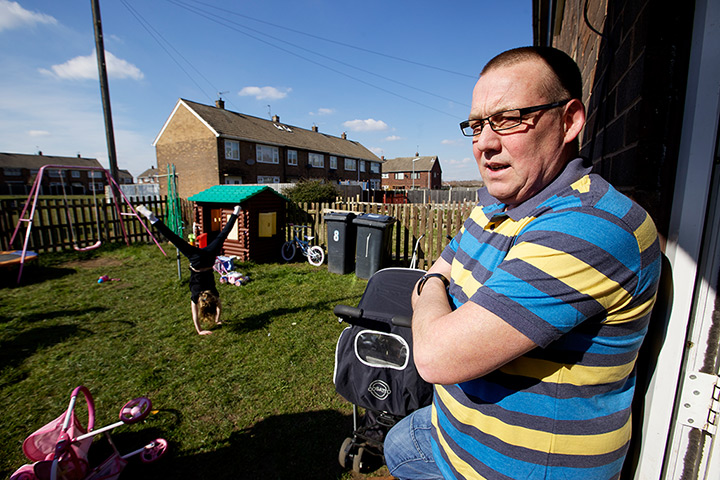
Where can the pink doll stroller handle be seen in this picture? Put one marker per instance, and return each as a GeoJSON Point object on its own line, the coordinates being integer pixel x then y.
{"type": "Point", "coordinates": [90, 406]}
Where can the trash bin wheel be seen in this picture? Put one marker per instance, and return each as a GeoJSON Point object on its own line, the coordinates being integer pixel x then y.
{"type": "Point", "coordinates": [316, 256]}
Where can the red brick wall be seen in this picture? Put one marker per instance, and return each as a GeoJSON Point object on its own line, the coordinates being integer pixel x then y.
{"type": "Point", "coordinates": [192, 148]}
{"type": "Point", "coordinates": [634, 82]}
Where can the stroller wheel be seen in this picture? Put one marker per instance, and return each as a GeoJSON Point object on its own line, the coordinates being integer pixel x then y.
{"type": "Point", "coordinates": [154, 450]}
{"type": "Point", "coordinates": [345, 451]}
{"type": "Point", "coordinates": [358, 461]}
{"type": "Point", "coordinates": [135, 410]}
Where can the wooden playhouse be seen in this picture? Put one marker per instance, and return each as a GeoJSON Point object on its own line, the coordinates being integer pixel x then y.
{"type": "Point", "coordinates": [260, 229]}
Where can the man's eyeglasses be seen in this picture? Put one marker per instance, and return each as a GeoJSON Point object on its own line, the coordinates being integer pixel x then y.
{"type": "Point", "coordinates": [505, 119]}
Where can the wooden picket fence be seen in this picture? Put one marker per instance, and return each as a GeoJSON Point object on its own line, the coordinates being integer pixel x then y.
{"type": "Point", "coordinates": [432, 224]}
{"type": "Point", "coordinates": [61, 224]}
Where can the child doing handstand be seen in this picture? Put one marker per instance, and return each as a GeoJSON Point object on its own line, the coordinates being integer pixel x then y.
{"type": "Point", "coordinates": [205, 299]}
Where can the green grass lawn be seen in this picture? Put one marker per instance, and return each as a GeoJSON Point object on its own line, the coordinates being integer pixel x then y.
{"type": "Point", "coordinates": [253, 400]}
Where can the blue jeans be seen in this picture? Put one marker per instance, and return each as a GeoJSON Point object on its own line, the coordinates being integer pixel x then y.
{"type": "Point", "coordinates": [408, 450]}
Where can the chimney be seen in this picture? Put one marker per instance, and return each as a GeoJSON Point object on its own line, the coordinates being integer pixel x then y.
{"type": "Point", "coordinates": [220, 103]}
{"type": "Point", "coordinates": [382, 157]}
{"type": "Point", "coordinates": [79, 156]}
{"type": "Point", "coordinates": [276, 118]}
{"type": "Point", "coordinates": [314, 128]}
{"type": "Point", "coordinates": [40, 152]}
{"type": "Point", "coordinates": [344, 136]}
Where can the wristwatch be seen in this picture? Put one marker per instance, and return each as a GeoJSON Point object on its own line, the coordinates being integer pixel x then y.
{"type": "Point", "coordinates": [427, 276]}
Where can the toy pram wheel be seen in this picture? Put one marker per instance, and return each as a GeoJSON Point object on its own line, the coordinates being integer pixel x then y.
{"type": "Point", "coordinates": [344, 452]}
{"type": "Point", "coordinates": [154, 450]}
{"type": "Point", "coordinates": [135, 410]}
{"type": "Point", "coordinates": [357, 460]}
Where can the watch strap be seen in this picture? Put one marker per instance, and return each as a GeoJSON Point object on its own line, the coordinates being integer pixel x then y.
{"type": "Point", "coordinates": [428, 276]}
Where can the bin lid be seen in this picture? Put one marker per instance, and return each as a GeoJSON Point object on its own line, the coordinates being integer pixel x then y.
{"type": "Point", "coordinates": [340, 216]}
{"type": "Point", "coordinates": [374, 220]}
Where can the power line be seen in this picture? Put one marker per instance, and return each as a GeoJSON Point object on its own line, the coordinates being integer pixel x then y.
{"type": "Point", "coordinates": [146, 25]}
{"type": "Point", "coordinates": [178, 2]}
{"type": "Point", "coordinates": [338, 42]}
{"type": "Point", "coordinates": [224, 23]}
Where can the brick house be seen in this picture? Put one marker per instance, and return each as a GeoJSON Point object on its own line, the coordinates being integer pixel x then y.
{"type": "Point", "coordinates": [405, 173]}
{"type": "Point", "coordinates": [652, 91]}
{"type": "Point", "coordinates": [149, 176]}
{"type": "Point", "coordinates": [211, 146]}
{"type": "Point", "coordinates": [18, 172]}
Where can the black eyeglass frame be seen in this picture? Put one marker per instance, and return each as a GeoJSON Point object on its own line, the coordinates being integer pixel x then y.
{"type": "Point", "coordinates": [523, 111]}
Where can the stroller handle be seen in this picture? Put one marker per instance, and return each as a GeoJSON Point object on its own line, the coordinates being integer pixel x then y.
{"type": "Point", "coordinates": [348, 313]}
{"type": "Point", "coordinates": [90, 406]}
{"type": "Point", "coordinates": [402, 321]}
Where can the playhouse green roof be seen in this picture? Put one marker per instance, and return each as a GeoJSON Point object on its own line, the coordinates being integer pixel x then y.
{"type": "Point", "coordinates": [235, 194]}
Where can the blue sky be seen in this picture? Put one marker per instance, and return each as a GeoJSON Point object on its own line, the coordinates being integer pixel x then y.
{"type": "Point", "coordinates": [397, 76]}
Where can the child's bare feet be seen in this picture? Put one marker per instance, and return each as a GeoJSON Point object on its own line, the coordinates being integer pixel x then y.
{"type": "Point", "coordinates": [205, 332]}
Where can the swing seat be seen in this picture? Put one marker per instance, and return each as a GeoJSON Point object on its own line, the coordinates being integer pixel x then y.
{"type": "Point", "coordinates": [88, 248]}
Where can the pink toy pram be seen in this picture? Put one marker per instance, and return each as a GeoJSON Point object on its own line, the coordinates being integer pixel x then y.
{"type": "Point", "coordinates": [60, 448]}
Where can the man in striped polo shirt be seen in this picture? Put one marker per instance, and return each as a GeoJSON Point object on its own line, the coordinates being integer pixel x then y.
{"type": "Point", "coordinates": [530, 323]}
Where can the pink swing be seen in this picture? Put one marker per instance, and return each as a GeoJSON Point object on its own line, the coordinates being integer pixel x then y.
{"type": "Point", "coordinates": [70, 222]}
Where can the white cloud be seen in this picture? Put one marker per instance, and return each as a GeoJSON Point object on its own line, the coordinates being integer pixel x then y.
{"type": "Point", "coordinates": [377, 151]}
{"type": "Point", "coordinates": [264, 93]}
{"type": "Point", "coordinates": [393, 138]}
{"type": "Point", "coordinates": [85, 68]}
{"type": "Point", "coordinates": [12, 15]}
{"type": "Point", "coordinates": [369, 125]}
{"type": "Point", "coordinates": [454, 141]}
{"type": "Point", "coordinates": [323, 111]}
{"type": "Point", "coordinates": [38, 133]}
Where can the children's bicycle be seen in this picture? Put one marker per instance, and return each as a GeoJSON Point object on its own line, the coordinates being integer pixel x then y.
{"type": "Point", "coordinates": [315, 255]}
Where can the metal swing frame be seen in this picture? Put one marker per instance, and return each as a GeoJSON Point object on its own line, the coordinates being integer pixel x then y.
{"type": "Point", "coordinates": [35, 193]}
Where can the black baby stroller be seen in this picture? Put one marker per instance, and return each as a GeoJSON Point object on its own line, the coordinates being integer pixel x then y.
{"type": "Point", "coordinates": [374, 367]}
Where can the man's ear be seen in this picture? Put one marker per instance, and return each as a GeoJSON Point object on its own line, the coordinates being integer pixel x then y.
{"type": "Point", "coordinates": [573, 119]}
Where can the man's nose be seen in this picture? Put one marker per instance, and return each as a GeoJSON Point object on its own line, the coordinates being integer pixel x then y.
{"type": "Point", "coordinates": [487, 140]}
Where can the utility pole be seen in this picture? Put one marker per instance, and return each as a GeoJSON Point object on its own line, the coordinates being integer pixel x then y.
{"type": "Point", "coordinates": [100, 49]}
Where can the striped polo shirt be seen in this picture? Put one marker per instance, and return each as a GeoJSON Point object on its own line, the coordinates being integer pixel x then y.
{"type": "Point", "coordinates": [575, 269]}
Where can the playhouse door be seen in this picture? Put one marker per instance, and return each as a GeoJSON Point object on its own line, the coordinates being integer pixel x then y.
{"type": "Point", "coordinates": [215, 220]}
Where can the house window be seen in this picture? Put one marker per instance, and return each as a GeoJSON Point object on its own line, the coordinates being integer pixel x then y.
{"type": "Point", "coordinates": [12, 172]}
{"type": "Point", "coordinates": [95, 174]}
{"type": "Point", "coordinates": [53, 173]}
{"type": "Point", "coordinates": [75, 174]}
{"type": "Point", "coordinates": [374, 167]}
{"type": "Point", "coordinates": [385, 175]}
{"type": "Point", "coordinates": [267, 179]}
{"type": "Point", "coordinates": [362, 165]}
{"type": "Point", "coordinates": [400, 176]}
{"type": "Point", "coordinates": [292, 157]}
{"type": "Point", "coordinates": [350, 164]}
{"type": "Point", "coordinates": [267, 154]}
{"type": "Point", "coordinates": [232, 150]}
{"type": "Point", "coordinates": [375, 184]}
{"type": "Point", "coordinates": [415, 175]}
{"type": "Point", "coordinates": [333, 163]}
{"type": "Point", "coordinates": [317, 160]}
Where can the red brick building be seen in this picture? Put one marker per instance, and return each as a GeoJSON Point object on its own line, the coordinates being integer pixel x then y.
{"type": "Point", "coordinates": [407, 173]}
{"type": "Point", "coordinates": [214, 146]}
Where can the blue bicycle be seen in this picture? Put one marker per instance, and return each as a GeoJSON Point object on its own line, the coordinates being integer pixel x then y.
{"type": "Point", "coordinates": [315, 255]}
